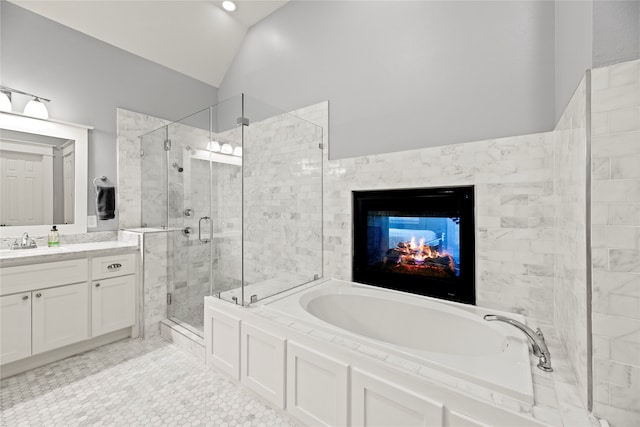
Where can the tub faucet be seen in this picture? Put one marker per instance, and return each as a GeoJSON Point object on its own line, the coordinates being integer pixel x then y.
{"type": "Point", "coordinates": [536, 338]}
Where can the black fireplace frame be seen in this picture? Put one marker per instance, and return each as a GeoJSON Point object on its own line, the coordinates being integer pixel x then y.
{"type": "Point", "coordinates": [451, 202]}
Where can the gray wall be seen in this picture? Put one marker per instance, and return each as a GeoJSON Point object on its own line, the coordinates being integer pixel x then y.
{"type": "Point", "coordinates": [592, 34]}
{"type": "Point", "coordinates": [616, 32]}
{"type": "Point", "coordinates": [573, 48]}
{"type": "Point", "coordinates": [404, 75]}
{"type": "Point", "coordinates": [87, 79]}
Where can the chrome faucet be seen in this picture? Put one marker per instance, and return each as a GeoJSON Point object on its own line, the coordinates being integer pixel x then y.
{"type": "Point", "coordinates": [536, 338]}
{"type": "Point", "coordinates": [26, 243]}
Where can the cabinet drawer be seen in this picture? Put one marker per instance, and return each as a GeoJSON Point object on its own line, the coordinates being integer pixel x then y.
{"type": "Point", "coordinates": [113, 266]}
{"type": "Point", "coordinates": [42, 275]}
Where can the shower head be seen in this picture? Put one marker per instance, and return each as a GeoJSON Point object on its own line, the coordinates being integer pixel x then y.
{"type": "Point", "coordinates": [178, 167]}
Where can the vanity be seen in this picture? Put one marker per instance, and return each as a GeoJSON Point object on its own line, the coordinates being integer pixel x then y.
{"type": "Point", "coordinates": [56, 302]}
{"type": "Point", "coordinates": [60, 301]}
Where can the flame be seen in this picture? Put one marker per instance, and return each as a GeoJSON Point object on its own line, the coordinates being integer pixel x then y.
{"type": "Point", "coordinates": [417, 252]}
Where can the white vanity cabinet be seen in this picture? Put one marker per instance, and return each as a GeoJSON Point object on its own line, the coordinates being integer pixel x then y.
{"type": "Point", "coordinates": [112, 293]}
{"type": "Point", "coordinates": [51, 310]}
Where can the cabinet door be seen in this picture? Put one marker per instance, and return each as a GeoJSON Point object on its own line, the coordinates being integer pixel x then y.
{"type": "Point", "coordinates": [15, 327]}
{"type": "Point", "coordinates": [113, 304]}
{"type": "Point", "coordinates": [60, 316]}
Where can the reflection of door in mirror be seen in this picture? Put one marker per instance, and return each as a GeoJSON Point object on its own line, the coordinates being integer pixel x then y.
{"type": "Point", "coordinates": [34, 168]}
{"type": "Point", "coordinates": [26, 172]}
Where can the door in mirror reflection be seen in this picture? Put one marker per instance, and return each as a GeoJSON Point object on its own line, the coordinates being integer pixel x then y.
{"type": "Point", "coordinates": [37, 175]}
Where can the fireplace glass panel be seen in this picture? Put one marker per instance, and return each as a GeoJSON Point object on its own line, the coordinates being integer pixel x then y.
{"type": "Point", "coordinates": [416, 240]}
{"type": "Point", "coordinates": [415, 245]}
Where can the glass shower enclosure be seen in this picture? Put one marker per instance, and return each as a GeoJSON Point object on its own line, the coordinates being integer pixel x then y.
{"type": "Point", "coordinates": [237, 188]}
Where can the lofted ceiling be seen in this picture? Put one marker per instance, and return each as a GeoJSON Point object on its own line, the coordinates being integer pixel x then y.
{"type": "Point", "coordinates": [196, 38]}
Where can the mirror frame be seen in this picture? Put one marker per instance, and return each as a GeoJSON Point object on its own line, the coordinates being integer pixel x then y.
{"type": "Point", "coordinates": [57, 129]}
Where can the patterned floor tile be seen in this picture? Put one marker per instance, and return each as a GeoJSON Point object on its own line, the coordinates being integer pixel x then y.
{"type": "Point", "coordinates": [130, 383]}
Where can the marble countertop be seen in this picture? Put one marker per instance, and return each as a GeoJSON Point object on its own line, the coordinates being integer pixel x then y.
{"type": "Point", "coordinates": [66, 251]}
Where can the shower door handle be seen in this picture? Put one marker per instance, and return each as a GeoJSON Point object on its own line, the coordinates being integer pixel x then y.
{"type": "Point", "coordinates": [206, 236]}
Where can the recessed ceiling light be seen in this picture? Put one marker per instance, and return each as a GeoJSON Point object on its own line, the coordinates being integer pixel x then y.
{"type": "Point", "coordinates": [228, 5]}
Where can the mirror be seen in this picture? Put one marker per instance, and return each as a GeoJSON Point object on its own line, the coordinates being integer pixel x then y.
{"type": "Point", "coordinates": [43, 176]}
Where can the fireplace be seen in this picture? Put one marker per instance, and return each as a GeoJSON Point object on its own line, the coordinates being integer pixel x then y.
{"type": "Point", "coordinates": [416, 240]}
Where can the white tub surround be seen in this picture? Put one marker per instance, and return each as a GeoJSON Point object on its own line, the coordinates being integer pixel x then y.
{"type": "Point", "coordinates": [329, 368]}
{"type": "Point", "coordinates": [61, 301]}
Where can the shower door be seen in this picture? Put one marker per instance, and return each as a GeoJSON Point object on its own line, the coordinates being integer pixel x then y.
{"type": "Point", "coordinates": [188, 166]}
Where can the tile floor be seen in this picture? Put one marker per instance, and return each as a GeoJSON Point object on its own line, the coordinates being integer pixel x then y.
{"type": "Point", "coordinates": [130, 383]}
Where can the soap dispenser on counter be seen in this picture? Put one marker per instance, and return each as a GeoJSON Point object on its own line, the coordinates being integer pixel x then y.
{"type": "Point", "coordinates": [54, 237]}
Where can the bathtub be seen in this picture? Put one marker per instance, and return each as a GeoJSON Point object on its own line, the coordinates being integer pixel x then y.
{"type": "Point", "coordinates": [338, 353]}
{"type": "Point", "coordinates": [447, 337]}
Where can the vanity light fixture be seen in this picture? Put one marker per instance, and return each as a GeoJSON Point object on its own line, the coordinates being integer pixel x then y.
{"type": "Point", "coordinates": [237, 151]}
{"type": "Point", "coordinates": [214, 146]}
{"type": "Point", "coordinates": [34, 108]}
{"type": "Point", "coordinates": [226, 149]}
{"type": "Point", "coordinates": [228, 5]}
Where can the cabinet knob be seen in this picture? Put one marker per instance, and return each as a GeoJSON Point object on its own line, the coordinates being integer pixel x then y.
{"type": "Point", "coordinates": [97, 285]}
{"type": "Point", "coordinates": [38, 295]}
{"type": "Point", "coordinates": [26, 297]}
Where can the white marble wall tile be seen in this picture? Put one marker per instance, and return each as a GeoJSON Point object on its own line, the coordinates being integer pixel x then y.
{"type": "Point", "coordinates": [616, 97]}
{"type": "Point", "coordinates": [625, 120]}
{"type": "Point", "coordinates": [154, 258]}
{"type": "Point", "coordinates": [100, 236]}
{"type": "Point", "coordinates": [130, 126]}
{"type": "Point", "coordinates": [612, 145]}
{"type": "Point", "coordinates": [616, 245]}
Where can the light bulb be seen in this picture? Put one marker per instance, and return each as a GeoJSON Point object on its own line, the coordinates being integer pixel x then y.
{"type": "Point", "coordinates": [226, 149]}
{"type": "Point", "coordinates": [5, 102]}
{"type": "Point", "coordinates": [37, 109]}
{"type": "Point", "coordinates": [214, 146]}
{"type": "Point", "coordinates": [228, 5]}
{"type": "Point", "coordinates": [237, 151]}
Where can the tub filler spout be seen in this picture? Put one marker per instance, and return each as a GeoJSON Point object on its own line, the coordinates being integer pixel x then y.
{"type": "Point", "coordinates": [536, 338]}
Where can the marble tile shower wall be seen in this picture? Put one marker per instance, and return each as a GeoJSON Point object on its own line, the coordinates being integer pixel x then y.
{"type": "Point", "coordinates": [226, 193]}
{"type": "Point", "coordinates": [570, 244]}
{"type": "Point", "coordinates": [131, 196]}
{"type": "Point", "coordinates": [282, 220]}
{"type": "Point", "coordinates": [131, 126]}
{"type": "Point", "coordinates": [154, 276]}
{"type": "Point", "coordinates": [189, 263]}
{"type": "Point", "coordinates": [615, 106]}
{"type": "Point", "coordinates": [153, 176]}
